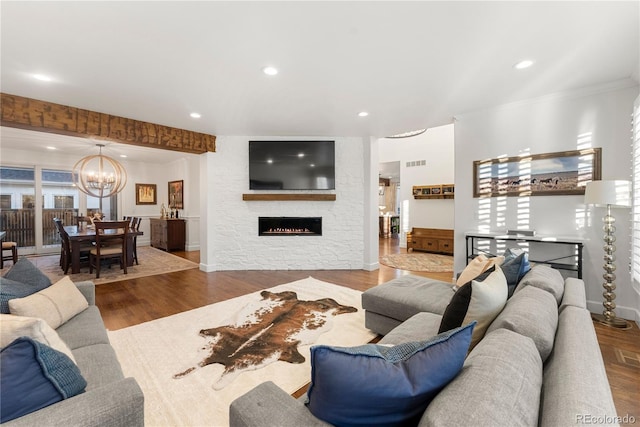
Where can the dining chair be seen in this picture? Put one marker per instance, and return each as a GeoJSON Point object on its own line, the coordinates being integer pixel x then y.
{"type": "Point", "coordinates": [13, 256]}
{"type": "Point", "coordinates": [111, 242]}
{"type": "Point", "coordinates": [135, 225]}
{"type": "Point", "coordinates": [65, 248]}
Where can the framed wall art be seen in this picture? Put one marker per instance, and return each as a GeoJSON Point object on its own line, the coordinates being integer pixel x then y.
{"type": "Point", "coordinates": [176, 192]}
{"type": "Point", "coordinates": [146, 194]}
{"type": "Point", "coordinates": [560, 173]}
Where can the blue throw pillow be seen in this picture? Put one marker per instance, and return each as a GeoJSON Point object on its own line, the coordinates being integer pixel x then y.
{"type": "Point", "coordinates": [514, 270]}
{"type": "Point", "coordinates": [35, 376]}
{"type": "Point", "coordinates": [22, 280]}
{"type": "Point", "coordinates": [383, 386]}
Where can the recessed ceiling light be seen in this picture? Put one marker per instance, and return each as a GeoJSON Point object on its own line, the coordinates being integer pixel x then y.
{"type": "Point", "coordinates": [363, 114]}
{"type": "Point", "coordinates": [42, 77]}
{"type": "Point", "coordinates": [523, 64]}
{"type": "Point", "coordinates": [123, 155]}
{"type": "Point", "coordinates": [270, 71]}
{"type": "Point", "coordinates": [300, 154]}
{"type": "Point", "coordinates": [51, 148]}
{"type": "Point", "coordinates": [269, 161]}
{"type": "Point", "coordinates": [195, 115]}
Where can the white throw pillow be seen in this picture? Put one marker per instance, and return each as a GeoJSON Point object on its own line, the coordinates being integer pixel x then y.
{"type": "Point", "coordinates": [13, 327]}
{"type": "Point", "coordinates": [55, 304]}
{"type": "Point", "coordinates": [481, 301]}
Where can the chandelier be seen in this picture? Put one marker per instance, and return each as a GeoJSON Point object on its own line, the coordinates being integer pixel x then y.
{"type": "Point", "coordinates": [99, 176]}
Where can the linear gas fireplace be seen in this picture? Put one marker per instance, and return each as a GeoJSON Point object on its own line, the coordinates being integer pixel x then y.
{"type": "Point", "coordinates": [289, 226]}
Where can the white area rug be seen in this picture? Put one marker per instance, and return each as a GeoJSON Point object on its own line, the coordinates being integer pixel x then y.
{"type": "Point", "coordinates": [154, 352]}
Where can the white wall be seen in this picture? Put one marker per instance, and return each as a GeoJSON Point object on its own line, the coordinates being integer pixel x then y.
{"type": "Point", "coordinates": [592, 117]}
{"type": "Point", "coordinates": [436, 146]}
{"type": "Point", "coordinates": [231, 224]}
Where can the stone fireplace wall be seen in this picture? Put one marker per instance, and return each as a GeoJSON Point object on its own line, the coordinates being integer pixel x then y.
{"type": "Point", "coordinates": [232, 224]}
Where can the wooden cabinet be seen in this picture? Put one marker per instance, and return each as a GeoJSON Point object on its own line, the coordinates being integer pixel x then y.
{"type": "Point", "coordinates": [440, 191]}
{"type": "Point", "coordinates": [430, 240]}
{"type": "Point", "coordinates": [168, 234]}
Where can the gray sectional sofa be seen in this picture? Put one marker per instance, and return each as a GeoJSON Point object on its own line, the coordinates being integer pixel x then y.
{"type": "Point", "coordinates": [110, 399]}
{"type": "Point", "coordinates": [539, 362]}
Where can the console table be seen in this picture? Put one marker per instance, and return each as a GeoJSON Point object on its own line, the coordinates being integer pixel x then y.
{"type": "Point", "coordinates": [571, 262]}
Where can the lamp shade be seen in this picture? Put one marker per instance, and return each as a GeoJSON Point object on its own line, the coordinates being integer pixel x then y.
{"type": "Point", "coordinates": [614, 193]}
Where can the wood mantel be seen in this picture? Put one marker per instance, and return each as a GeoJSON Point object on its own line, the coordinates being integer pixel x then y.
{"type": "Point", "coordinates": [270, 197]}
{"type": "Point", "coordinates": [43, 116]}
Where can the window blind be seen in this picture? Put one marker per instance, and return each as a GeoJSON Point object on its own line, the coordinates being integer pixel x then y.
{"type": "Point", "coordinates": [635, 231]}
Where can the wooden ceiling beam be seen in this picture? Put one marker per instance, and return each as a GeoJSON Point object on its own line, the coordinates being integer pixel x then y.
{"type": "Point", "coordinates": [43, 116]}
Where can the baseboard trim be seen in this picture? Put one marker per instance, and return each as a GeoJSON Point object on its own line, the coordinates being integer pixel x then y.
{"type": "Point", "coordinates": [628, 313]}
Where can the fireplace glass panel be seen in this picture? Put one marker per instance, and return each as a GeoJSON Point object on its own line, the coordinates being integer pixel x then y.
{"type": "Point", "coordinates": [290, 226]}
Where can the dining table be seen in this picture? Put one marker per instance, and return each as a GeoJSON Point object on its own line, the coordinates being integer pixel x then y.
{"type": "Point", "coordinates": [87, 234]}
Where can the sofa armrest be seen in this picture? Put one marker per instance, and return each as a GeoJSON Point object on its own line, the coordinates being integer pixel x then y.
{"type": "Point", "coordinates": [117, 404]}
{"type": "Point", "coordinates": [88, 289]}
{"type": "Point", "coordinates": [269, 405]}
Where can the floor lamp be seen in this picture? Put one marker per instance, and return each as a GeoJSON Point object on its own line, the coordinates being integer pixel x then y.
{"type": "Point", "coordinates": [610, 194]}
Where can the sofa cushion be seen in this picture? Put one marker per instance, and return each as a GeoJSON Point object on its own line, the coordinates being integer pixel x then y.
{"type": "Point", "coordinates": [514, 270]}
{"type": "Point", "coordinates": [546, 278]}
{"type": "Point", "coordinates": [99, 365]}
{"type": "Point", "coordinates": [574, 294]}
{"type": "Point", "coordinates": [499, 385]}
{"type": "Point", "coordinates": [13, 327]}
{"type": "Point", "coordinates": [575, 389]}
{"type": "Point", "coordinates": [378, 385]}
{"type": "Point", "coordinates": [405, 296]}
{"type": "Point", "coordinates": [55, 304]}
{"type": "Point", "coordinates": [84, 329]}
{"type": "Point", "coordinates": [481, 301]}
{"type": "Point", "coordinates": [420, 327]}
{"type": "Point", "coordinates": [533, 313]}
{"type": "Point", "coordinates": [35, 376]}
{"type": "Point", "coordinates": [23, 279]}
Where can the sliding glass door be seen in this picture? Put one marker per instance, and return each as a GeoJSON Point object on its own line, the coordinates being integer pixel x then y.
{"type": "Point", "coordinates": [28, 220]}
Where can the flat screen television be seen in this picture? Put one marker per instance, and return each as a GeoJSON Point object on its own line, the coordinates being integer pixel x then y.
{"type": "Point", "coordinates": [292, 165]}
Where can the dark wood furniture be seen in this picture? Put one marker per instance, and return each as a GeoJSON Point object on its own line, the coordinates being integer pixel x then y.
{"type": "Point", "coordinates": [168, 234]}
{"type": "Point", "coordinates": [78, 237]}
{"type": "Point", "coordinates": [8, 246]}
{"type": "Point", "coordinates": [430, 240]}
{"type": "Point", "coordinates": [111, 242]}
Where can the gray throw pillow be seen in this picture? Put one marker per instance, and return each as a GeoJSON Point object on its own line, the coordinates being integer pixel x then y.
{"type": "Point", "coordinates": [25, 272]}
{"type": "Point", "coordinates": [22, 280]}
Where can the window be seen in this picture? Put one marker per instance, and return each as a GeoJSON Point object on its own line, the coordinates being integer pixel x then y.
{"type": "Point", "coordinates": [635, 238]}
{"type": "Point", "coordinates": [63, 202]}
{"type": "Point", "coordinates": [28, 201]}
{"type": "Point", "coordinates": [5, 201]}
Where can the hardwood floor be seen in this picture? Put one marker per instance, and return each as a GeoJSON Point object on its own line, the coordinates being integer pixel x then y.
{"type": "Point", "coordinates": [135, 301]}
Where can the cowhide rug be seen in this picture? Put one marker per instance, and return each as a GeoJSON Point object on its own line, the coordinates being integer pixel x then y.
{"type": "Point", "coordinates": [215, 351]}
{"type": "Point", "coordinates": [266, 331]}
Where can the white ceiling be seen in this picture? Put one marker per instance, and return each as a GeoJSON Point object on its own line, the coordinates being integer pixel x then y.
{"type": "Point", "coordinates": [409, 64]}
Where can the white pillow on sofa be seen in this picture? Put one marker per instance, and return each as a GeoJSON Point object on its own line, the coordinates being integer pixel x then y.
{"type": "Point", "coordinates": [13, 327]}
{"type": "Point", "coordinates": [55, 304]}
